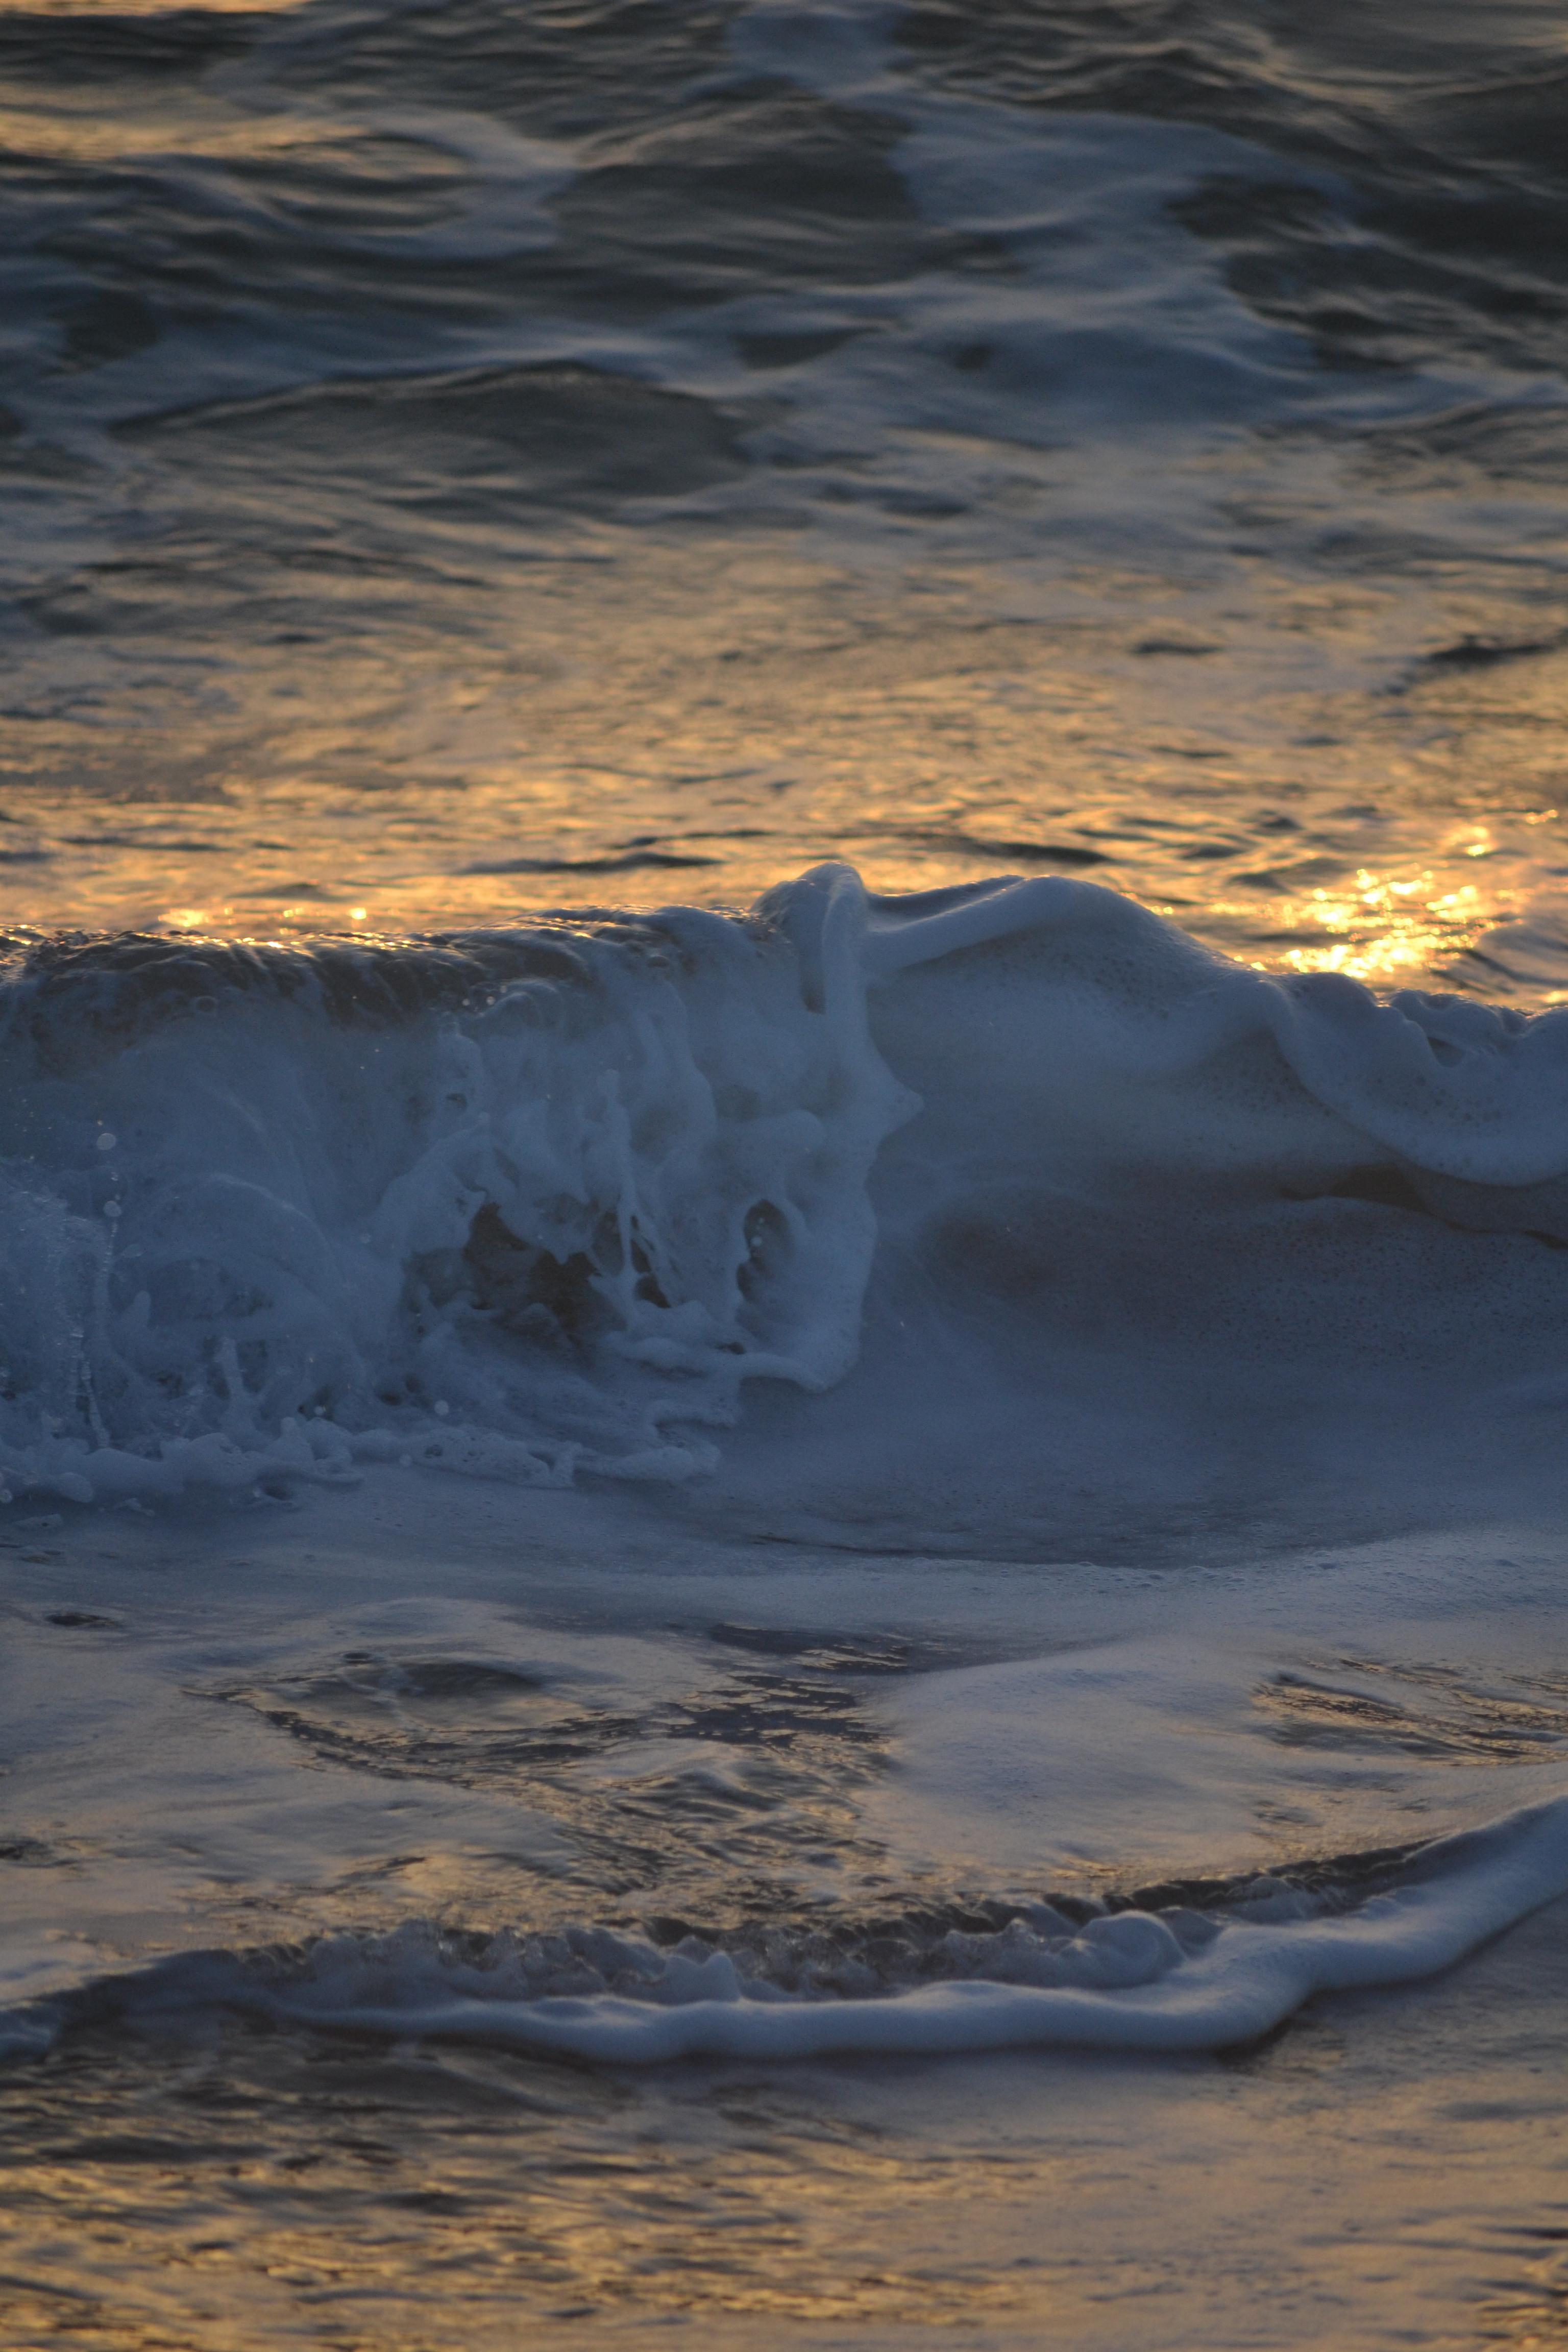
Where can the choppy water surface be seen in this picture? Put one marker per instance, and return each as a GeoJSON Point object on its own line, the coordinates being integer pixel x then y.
{"type": "Point", "coordinates": [783, 1170]}
{"type": "Point", "coordinates": [463, 459]}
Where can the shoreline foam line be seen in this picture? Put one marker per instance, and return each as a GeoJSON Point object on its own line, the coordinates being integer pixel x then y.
{"type": "Point", "coordinates": [1247, 1981]}
{"type": "Point", "coordinates": [1455, 1895]}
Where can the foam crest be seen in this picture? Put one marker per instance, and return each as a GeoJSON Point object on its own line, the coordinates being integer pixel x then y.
{"type": "Point", "coordinates": [1475, 1092]}
{"type": "Point", "coordinates": [536, 1203]}
{"type": "Point", "coordinates": [1127, 1980]}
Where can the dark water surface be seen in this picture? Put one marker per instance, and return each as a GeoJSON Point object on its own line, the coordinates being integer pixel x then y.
{"type": "Point", "coordinates": [466, 457]}
{"type": "Point", "coordinates": [581, 1466]}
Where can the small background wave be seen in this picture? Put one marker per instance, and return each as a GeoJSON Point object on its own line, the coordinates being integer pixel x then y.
{"type": "Point", "coordinates": [447, 453]}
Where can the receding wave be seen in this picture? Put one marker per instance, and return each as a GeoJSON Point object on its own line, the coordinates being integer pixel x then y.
{"type": "Point", "coordinates": [1084, 1976]}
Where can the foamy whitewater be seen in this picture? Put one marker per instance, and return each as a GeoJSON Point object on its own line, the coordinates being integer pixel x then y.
{"type": "Point", "coordinates": [535, 1205]}
{"type": "Point", "coordinates": [545, 1207]}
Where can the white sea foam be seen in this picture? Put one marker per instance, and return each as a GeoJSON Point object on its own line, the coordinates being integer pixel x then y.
{"type": "Point", "coordinates": [522, 1238]}
{"type": "Point", "coordinates": [1128, 1980]}
{"type": "Point", "coordinates": [555, 1221]}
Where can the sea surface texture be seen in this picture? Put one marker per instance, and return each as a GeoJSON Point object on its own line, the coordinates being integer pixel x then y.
{"type": "Point", "coordinates": [783, 1173]}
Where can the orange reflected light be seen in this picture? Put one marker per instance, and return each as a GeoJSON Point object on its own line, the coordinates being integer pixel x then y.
{"type": "Point", "coordinates": [1387, 929]}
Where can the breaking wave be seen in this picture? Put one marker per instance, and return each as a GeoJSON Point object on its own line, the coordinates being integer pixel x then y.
{"type": "Point", "coordinates": [535, 1204]}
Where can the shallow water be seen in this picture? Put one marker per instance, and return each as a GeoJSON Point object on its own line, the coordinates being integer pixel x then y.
{"type": "Point", "coordinates": [552, 1757]}
{"type": "Point", "coordinates": [783, 1163]}
{"type": "Point", "coordinates": [1379, 2175]}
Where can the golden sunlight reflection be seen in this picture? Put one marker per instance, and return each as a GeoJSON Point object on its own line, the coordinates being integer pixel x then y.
{"type": "Point", "coordinates": [673, 728]}
{"type": "Point", "coordinates": [1382, 929]}
{"type": "Point", "coordinates": [1395, 928]}
{"type": "Point", "coordinates": [89, 9]}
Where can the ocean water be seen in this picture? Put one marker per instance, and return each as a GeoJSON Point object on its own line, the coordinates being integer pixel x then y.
{"type": "Point", "coordinates": [783, 1173]}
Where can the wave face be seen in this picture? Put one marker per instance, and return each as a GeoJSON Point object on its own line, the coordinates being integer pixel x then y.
{"type": "Point", "coordinates": [536, 1204]}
